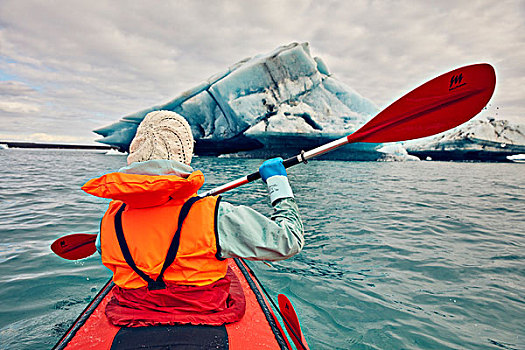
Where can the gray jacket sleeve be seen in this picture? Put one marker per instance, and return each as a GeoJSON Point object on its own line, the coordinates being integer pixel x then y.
{"type": "Point", "coordinates": [245, 233]}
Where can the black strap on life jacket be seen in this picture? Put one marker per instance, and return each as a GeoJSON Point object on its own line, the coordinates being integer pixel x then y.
{"type": "Point", "coordinates": [172, 251]}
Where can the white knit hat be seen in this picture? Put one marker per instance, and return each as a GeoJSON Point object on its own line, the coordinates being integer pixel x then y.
{"type": "Point", "coordinates": [162, 135]}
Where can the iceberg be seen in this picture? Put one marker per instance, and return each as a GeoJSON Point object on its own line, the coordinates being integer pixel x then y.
{"type": "Point", "coordinates": [477, 140]}
{"type": "Point", "coordinates": [114, 152]}
{"type": "Point", "coordinates": [395, 152]}
{"type": "Point", "coordinates": [518, 158]}
{"type": "Point", "coordinates": [272, 104]}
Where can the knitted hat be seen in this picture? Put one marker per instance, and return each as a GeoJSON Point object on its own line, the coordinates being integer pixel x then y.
{"type": "Point", "coordinates": [162, 135]}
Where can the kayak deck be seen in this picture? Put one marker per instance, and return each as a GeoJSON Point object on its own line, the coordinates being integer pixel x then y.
{"type": "Point", "coordinates": [258, 329]}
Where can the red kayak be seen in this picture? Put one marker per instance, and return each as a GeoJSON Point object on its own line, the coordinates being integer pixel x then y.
{"type": "Point", "coordinates": [258, 329]}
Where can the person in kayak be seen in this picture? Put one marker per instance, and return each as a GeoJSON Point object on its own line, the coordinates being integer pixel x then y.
{"type": "Point", "coordinates": [167, 247]}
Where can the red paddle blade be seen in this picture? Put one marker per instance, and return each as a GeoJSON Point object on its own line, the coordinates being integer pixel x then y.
{"type": "Point", "coordinates": [75, 246]}
{"type": "Point", "coordinates": [436, 106]}
{"type": "Point", "coordinates": [292, 322]}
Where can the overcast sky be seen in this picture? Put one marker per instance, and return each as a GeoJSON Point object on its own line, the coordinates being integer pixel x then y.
{"type": "Point", "coordinates": [68, 67]}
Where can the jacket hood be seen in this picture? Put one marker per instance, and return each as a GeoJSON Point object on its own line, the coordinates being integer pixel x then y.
{"type": "Point", "coordinates": [141, 191]}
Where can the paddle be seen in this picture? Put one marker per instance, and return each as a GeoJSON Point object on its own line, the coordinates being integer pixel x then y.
{"type": "Point", "coordinates": [436, 106]}
{"type": "Point", "coordinates": [75, 246]}
{"type": "Point", "coordinates": [292, 322]}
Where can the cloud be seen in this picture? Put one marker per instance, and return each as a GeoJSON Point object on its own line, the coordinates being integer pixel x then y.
{"type": "Point", "coordinates": [14, 88]}
{"type": "Point", "coordinates": [88, 64]}
{"type": "Point", "coordinates": [18, 107]}
{"type": "Point", "coordinates": [17, 98]}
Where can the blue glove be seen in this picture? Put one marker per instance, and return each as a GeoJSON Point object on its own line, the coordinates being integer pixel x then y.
{"type": "Point", "coordinates": [272, 167]}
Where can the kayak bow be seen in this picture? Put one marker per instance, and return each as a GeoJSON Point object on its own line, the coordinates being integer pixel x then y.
{"type": "Point", "coordinates": [258, 328]}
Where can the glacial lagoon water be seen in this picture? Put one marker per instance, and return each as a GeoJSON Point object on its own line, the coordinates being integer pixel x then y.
{"type": "Point", "coordinates": [414, 255]}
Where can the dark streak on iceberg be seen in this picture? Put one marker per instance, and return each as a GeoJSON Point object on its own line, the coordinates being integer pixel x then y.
{"type": "Point", "coordinates": [273, 104]}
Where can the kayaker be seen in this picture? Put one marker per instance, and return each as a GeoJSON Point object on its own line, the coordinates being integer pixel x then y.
{"type": "Point", "coordinates": [167, 247]}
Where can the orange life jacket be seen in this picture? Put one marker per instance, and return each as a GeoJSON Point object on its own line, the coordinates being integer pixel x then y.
{"type": "Point", "coordinates": [146, 209]}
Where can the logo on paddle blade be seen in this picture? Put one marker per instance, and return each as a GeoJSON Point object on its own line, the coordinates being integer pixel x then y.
{"type": "Point", "coordinates": [455, 82]}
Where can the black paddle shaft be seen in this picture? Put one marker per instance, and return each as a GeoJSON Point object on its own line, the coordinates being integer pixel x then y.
{"type": "Point", "coordinates": [287, 163]}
